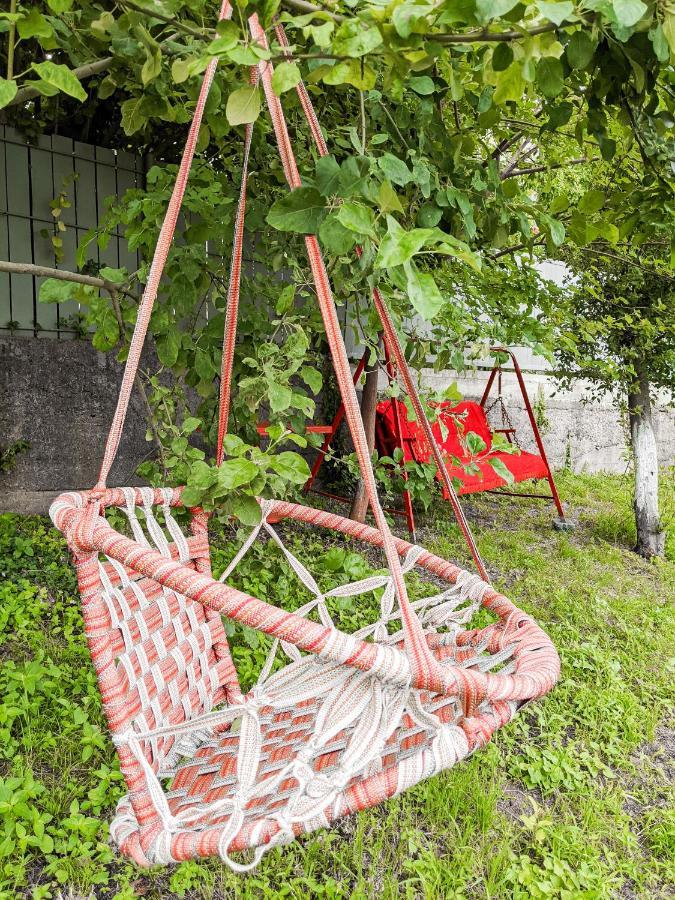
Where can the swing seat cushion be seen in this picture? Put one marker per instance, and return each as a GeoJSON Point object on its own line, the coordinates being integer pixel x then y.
{"type": "Point", "coordinates": [523, 466]}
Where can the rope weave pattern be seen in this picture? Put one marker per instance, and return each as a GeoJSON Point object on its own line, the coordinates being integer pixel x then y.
{"type": "Point", "coordinates": [341, 726]}
{"type": "Point", "coordinates": [336, 722]}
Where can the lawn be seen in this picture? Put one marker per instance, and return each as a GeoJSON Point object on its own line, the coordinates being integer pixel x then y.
{"type": "Point", "coordinates": [572, 799]}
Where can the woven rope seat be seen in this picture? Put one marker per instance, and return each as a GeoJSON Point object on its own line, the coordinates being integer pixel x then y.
{"type": "Point", "coordinates": [336, 722]}
{"type": "Point", "coordinates": [332, 732]}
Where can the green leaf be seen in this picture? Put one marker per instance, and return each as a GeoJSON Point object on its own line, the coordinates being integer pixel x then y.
{"type": "Point", "coordinates": [234, 473]}
{"type": "Point", "coordinates": [423, 292]}
{"type": "Point", "coordinates": [592, 201]}
{"type": "Point", "coordinates": [234, 446]}
{"type": "Point", "coordinates": [422, 84]}
{"type": "Point", "coordinates": [152, 66]}
{"type": "Point", "coordinates": [659, 42]}
{"type": "Point", "coordinates": [500, 469]}
{"type": "Point", "coordinates": [247, 510]}
{"type": "Point", "coordinates": [333, 235]}
{"type": "Point", "coordinates": [387, 198]}
{"type": "Point", "coordinates": [356, 218]}
{"type": "Point", "coordinates": [502, 57]}
{"type": "Point", "coordinates": [493, 9]}
{"type": "Point", "coordinates": [243, 105]}
{"type": "Point", "coordinates": [429, 215]}
{"type": "Point", "coordinates": [132, 117]}
{"type": "Point", "coordinates": [204, 365]}
{"type": "Point", "coordinates": [34, 24]}
{"type": "Point", "coordinates": [312, 378]}
{"type": "Point", "coordinates": [555, 12]}
{"type": "Point", "coordinates": [290, 466]}
{"type": "Point", "coordinates": [395, 169]}
{"type": "Point", "coordinates": [629, 12]}
{"type": "Point", "coordinates": [61, 78]}
{"type": "Point", "coordinates": [352, 176]}
{"type": "Point", "coordinates": [556, 229]}
{"type": "Point", "coordinates": [353, 39]}
{"type": "Point", "coordinates": [8, 91]}
{"type": "Point", "coordinates": [351, 71]}
{"type": "Point", "coordinates": [580, 50]}
{"type": "Point", "coordinates": [60, 6]}
{"type": "Point", "coordinates": [669, 30]}
{"type": "Point", "coordinates": [475, 443]}
{"type": "Point", "coordinates": [53, 290]}
{"type": "Point", "coordinates": [301, 211]}
{"type": "Point", "coordinates": [285, 300]}
{"type": "Point", "coordinates": [190, 424]}
{"type": "Point", "coordinates": [510, 84]}
{"type": "Point", "coordinates": [279, 396]}
{"type": "Point", "coordinates": [550, 76]}
{"type": "Point", "coordinates": [115, 276]}
{"type": "Point", "coordinates": [285, 77]}
{"type": "Point", "coordinates": [328, 176]}
{"type": "Point", "coordinates": [168, 347]}
{"type": "Point", "coordinates": [399, 246]}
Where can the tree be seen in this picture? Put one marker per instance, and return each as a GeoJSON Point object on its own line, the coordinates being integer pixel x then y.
{"type": "Point", "coordinates": [616, 329]}
{"type": "Point", "coordinates": [448, 124]}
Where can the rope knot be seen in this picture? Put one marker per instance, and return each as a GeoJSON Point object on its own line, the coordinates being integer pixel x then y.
{"type": "Point", "coordinates": [80, 535]}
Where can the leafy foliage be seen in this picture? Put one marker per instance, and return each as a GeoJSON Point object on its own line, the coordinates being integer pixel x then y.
{"type": "Point", "coordinates": [449, 127]}
{"type": "Point", "coordinates": [569, 799]}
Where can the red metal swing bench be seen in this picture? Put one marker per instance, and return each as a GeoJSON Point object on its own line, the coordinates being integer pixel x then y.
{"type": "Point", "coordinates": [396, 430]}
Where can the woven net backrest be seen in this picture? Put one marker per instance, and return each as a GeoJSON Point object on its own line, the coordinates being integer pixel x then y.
{"type": "Point", "coordinates": [161, 658]}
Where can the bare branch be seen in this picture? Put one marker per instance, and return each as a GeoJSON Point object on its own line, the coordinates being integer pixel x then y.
{"type": "Point", "coordinates": [531, 170]}
{"type": "Point", "coordinates": [61, 275]}
{"type": "Point", "coordinates": [477, 36]}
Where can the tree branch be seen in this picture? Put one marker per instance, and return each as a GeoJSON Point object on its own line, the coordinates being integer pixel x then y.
{"type": "Point", "coordinates": [86, 71]}
{"type": "Point", "coordinates": [477, 36]}
{"type": "Point", "coordinates": [61, 275]}
{"type": "Point", "coordinates": [531, 170]}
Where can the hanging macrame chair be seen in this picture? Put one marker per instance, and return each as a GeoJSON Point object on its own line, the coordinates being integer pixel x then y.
{"type": "Point", "coordinates": [351, 719]}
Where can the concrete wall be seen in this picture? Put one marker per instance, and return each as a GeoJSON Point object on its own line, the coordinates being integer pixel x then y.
{"type": "Point", "coordinates": [60, 396]}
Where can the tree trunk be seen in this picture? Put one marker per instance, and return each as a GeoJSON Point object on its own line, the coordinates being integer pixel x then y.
{"type": "Point", "coordinates": [368, 409]}
{"type": "Point", "coordinates": [650, 534]}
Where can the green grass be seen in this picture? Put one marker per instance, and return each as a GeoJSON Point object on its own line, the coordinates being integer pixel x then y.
{"type": "Point", "coordinates": [571, 800]}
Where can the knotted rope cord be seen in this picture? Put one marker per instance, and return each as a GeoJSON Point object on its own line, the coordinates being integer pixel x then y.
{"type": "Point", "coordinates": [392, 339]}
{"type": "Point", "coordinates": [422, 661]}
{"type": "Point", "coordinates": [156, 270]}
{"type": "Point", "coordinates": [232, 304]}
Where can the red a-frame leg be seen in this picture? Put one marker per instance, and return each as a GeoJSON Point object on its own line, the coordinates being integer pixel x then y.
{"type": "Point", "coordinates": [533, 423]}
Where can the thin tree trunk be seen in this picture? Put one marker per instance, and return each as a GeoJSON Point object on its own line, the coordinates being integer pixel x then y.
{"type": "Point", "coordinates": [368, 409]}
{"type": "Point", "coordinates": [650, 533]}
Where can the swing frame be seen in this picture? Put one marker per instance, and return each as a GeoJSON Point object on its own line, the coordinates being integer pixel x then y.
{"type": "Point", "coordinates": [407, 512]}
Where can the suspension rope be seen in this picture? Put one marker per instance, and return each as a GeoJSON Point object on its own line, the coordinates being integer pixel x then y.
{"type": "Point", "coordinates": [392, 339]}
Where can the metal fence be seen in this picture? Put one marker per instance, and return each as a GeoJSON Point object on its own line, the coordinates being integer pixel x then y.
{"type": "Point", "coordinates": [32, 175]}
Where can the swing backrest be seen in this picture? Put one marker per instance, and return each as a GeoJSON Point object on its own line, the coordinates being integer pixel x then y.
{"type": "Point", "coordinates": [160, 658]}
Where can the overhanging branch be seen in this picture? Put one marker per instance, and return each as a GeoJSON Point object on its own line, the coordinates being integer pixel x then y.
{"type": "Point", "coordinates": [61, 275]}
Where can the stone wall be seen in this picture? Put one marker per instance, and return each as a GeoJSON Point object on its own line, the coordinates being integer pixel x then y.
{"type": "Point", "coordinates": [60, 396]}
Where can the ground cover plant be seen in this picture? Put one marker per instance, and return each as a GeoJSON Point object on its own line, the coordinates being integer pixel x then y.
{"type": "Point", "coordinates": [572, 799]}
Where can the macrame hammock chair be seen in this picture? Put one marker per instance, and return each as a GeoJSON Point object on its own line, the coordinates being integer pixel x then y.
{"type": "Point", "coordinates": [351, 719]}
